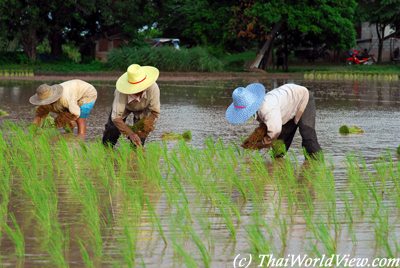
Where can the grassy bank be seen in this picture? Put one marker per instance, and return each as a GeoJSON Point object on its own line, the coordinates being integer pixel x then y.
{"type": "Point", "coordinates": [184, 61]}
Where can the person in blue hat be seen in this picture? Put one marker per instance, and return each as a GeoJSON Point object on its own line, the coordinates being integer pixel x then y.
{"type": "Point", "coordinates": [280, 112]}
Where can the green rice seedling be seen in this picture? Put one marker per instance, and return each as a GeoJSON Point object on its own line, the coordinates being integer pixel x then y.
{"type": "Point", "coordinates": [283, 231]}
{"type": "Point", "coordinates": [129, 251]}
{"type": "Point", "coordinates": [205, 255]}
{"type": "Point", "coordinates": [258, 233]}
{"type": "Point", "coordinates": [186, 135]}
{"type": "Point", "coordinates": [156, 219]}
{"type": "Point", "coordinates": [398, 150]}
{"type": "Point", "coordinates": [344, 130]}
{"type": "Point", "coordinates": [5, 183]}
{"type": "Point", "coordinates": [138, 126]}
{"type": "Point", "coordinates": [16, 235]}
{"type": "Point", "coordinates": [48, 122]}
{"type": "Point", "coordinates": [323, 235]}
{"type": "Point", "coordinates": [180, 251]}
{"type": "Point", "coordinates": [92, 217]}
{"type": "Point", "coordinates": [56, 245]}
{"type": "Point", "coordinates": [226, 210]}
{"type": "Point", "coordinates": [148, 164]}
{"type": "Point", "coordinates": [278, 149]}
{"type": "Point", "coordinates": [286, 183]}
{"type": "Point", "coordinates": [349, 218]}
{"type": "Point", "coordinates": [382, 231]}
{"type": "Point", "coordinates": [85, 254]}
{"type": "Point", "coordinates": [357, 185]}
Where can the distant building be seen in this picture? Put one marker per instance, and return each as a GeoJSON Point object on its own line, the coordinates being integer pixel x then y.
{"type": "Point", "coordinates": [105, 43]}
{"type": "Point", "coordinates": [367, 38]}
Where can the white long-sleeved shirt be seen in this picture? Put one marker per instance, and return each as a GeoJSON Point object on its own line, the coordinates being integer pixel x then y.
{"type": "Point", "coordinates": [281, 105]}
{"type": "Point", "coordinates": [75, 93]}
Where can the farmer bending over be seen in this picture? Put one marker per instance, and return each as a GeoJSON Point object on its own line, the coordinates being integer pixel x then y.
{"type": "Point", "coordinates": [280, 112]}
{"type": "Point", "coordinates": [136, 92]}
{"type": "Point", "coordinates": [71, 100]}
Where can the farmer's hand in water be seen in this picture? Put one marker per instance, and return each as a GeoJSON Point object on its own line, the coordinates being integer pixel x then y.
{"type": "Point", "coordinates": [135, 139]}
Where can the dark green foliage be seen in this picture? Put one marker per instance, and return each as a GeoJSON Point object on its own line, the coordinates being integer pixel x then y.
{"type": "Point", "coordinates": [165, 59]}
{"type": "Point", "coordinates": [187, 135]}
{"type": "Point", "coordinates": [344, 130]}
{"type": "Point", "coordinates": [398, 150]}
{"type": "Point", "coordinates": [13, 57]}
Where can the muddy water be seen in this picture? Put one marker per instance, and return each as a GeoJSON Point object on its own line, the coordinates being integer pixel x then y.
{"type": "Point", "coordinates": [200, 107]}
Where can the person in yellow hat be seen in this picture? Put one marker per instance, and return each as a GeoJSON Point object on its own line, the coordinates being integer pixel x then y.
{"type": "Point", "coordinates": [71, 100]}
{"type": "Point", "coordinates": [136, 92]}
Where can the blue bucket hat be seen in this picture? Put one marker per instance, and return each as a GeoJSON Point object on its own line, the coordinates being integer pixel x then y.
{"type": "Point", "coordinates": [246, 102]}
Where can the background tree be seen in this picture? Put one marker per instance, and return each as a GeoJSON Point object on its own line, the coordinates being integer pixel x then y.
{"type": "Point", "coordinates": [24, 20]}
{"type": "Point", "coordinates": [62, 21]}
{"type": "Point", "coordinates": [382, 13]}
{"type": "Point", "coordinates": [332, 21]}
{"type": "Point", "coordinates": [201, 22]}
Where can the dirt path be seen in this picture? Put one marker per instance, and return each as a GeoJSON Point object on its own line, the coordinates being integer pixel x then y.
{"type": "Point", "coordinates": [164, 76]}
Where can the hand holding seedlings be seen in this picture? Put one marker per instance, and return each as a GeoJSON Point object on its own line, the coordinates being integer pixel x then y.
{"type": "Point", "coordinates": [135, 139]}
{"type": "Point", "coordinates": [136, 93]}
{"type": "Point", "coordinates": [257, 140]}
{"type": "Point", "coordinates": [283, 110]}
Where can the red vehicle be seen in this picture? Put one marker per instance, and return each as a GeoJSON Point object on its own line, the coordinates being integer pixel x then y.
{"type": "Point", "coordinates": [355, 57]}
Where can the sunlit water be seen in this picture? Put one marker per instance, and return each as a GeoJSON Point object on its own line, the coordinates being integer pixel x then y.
{"type": "Point", "coordinates": [200, 108]}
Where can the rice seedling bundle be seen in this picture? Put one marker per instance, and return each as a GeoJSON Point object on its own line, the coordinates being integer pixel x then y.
{"type": "Point", "coordinates": [186, 135]}
{"type": "Point", "coordinates": [350, 130]}
{"type": "Point", "coordinates": [3, 113]}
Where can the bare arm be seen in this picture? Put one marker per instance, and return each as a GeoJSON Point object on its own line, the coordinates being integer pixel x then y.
{"type": "Point", "coordinates": [40, 114]}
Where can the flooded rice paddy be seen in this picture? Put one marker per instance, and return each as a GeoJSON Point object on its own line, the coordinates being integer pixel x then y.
{"type": "Point", "coordinates": [201, 203]}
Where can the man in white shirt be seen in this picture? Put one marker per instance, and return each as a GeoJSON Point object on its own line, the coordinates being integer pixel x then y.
{"type": "Point", "coordinates": [136, 93]}
{"type": "Point", "coordinates": [282, 110]}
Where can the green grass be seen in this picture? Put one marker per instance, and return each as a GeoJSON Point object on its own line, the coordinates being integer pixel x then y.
{"type": "Point", "coordinates": [165, 59]}
{"type": "Point", "coordinates": [87, 205]}
{"type": "Point", "coordinates": [238, 61]}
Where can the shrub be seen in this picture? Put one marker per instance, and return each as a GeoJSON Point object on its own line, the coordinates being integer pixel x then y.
{"type": "Point", "coordinates": [17, 57]}
{"type": "Point", "coordinates": [165, 58]}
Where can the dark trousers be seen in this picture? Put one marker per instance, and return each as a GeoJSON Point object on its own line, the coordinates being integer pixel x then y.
{"type": "Point", "coordinates": [111, 133]}
{"type": "Point", "coordinates": [306, 127]}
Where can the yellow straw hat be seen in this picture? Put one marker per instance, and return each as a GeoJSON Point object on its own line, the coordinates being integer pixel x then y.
{"type": "Point", "coordinates": [136, 79]}
{"type": "Point", "coordinates": [46, 94]}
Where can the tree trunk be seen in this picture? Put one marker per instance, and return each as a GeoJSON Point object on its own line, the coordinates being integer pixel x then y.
{"type": "Point", "coordinates": [286, 52]}
{"type": "Point", "coordinates": [56, 41]}
{"type": "Point", "coordinates": [380, 30]}
{"type": "Point", "coordinates": [264, 52]}
{"type": "Point", "coordinates": [29, 42]}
